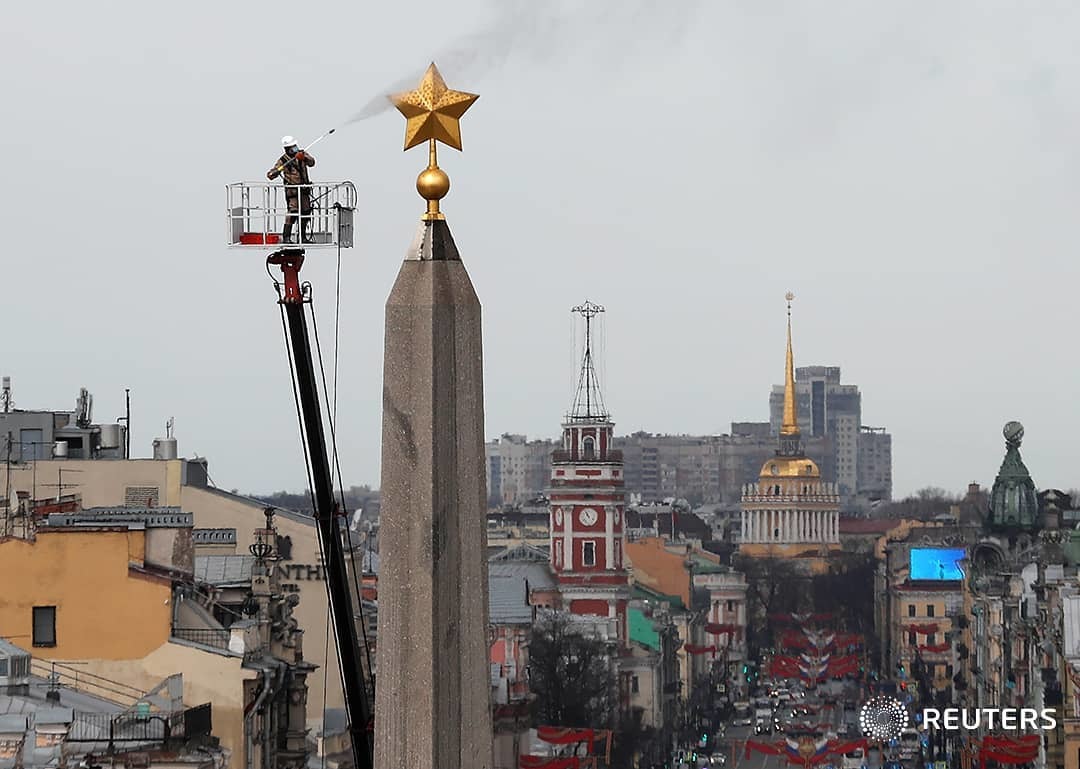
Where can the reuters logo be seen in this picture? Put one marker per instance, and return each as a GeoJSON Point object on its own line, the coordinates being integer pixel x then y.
{"type": "Point", "coordinates": [883, 718]}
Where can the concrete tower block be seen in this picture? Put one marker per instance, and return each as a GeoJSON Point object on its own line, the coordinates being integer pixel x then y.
{"type": "Point", "coordinates": [433, 694]}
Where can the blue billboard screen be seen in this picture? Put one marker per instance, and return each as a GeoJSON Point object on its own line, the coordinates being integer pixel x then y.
{"type": "Point", "coordinates": [942, 565]}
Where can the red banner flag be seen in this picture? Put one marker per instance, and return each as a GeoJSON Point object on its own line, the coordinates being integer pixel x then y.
{"type": "Point", "coordinates": [560, 735]}
{"type": "Point", "coordinates": [548, 762]}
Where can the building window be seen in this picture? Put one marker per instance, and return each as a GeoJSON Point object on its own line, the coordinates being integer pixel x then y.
{"type": "Point", "coordinates": [588, 553]}
{"type": "Point", "coordinates": [4, 667]}
{"type": "Point", "coordinates": [911, 639]}
{"type": "Point", "coordinates": [929, 610]}
{"type": "Point", "coordinates": [731, 606]}
{"type": "Point", "coordinates": [911, 610]}
{"type": "Point", "coordinates": [634, 685]}
{"type": "Point", "coordinates": [588, 448]}
{"type": "Point", "coordinates": [44, 626]}
{"type": "Point", "coordinates": [931, 639]}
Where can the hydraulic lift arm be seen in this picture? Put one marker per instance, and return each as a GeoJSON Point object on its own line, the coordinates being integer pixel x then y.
{"type": "Point", "coordinates": [327, 514]}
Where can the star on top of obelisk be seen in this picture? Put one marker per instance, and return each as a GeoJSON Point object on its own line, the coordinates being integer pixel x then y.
{"type": "Point", "coordinates": [432, 112]}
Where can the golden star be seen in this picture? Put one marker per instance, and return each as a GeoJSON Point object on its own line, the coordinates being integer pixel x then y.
{"type": "Point", "coordinates": [433, 111]}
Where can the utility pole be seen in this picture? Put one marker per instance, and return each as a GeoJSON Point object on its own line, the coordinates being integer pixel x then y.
{"type": "Point", "coordinates": [7, 481]}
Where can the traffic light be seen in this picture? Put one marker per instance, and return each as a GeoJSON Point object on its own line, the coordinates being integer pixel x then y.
{"type": "Point", "coordinates": [704, 740]}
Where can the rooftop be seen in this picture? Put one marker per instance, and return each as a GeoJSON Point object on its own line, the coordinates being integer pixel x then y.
{"type": "Point", "coordinates": [855, 526]}
{"type": "Point", "coordinates": [148, 517]}
{"type": "Point", "coordinates": [508, 585]}
{"type": "Point", "coordinates": [83, 718]}
{"type": "Point", "coordinates": [646, 594]}
{"type": "Point", "coordinates": [8, 649]}
{"type": "Point", "coordinates": [224, 570]}
{"type": "Point", "coordinates": [520, 553]}
{"type": "Point", "coordinates": [641, 629]}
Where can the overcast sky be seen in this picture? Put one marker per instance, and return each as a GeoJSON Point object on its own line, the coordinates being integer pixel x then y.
{"type": "Point", "coordinates": [909, 169]}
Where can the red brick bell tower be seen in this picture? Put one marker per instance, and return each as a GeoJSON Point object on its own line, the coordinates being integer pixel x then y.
{"type": "Point", "coordinates": [588, 544]}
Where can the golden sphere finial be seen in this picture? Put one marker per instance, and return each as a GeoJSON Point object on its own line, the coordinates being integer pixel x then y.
{"type": "Point", "coordinates": [433, 184]}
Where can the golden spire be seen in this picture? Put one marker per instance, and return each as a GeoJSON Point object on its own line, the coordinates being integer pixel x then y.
{"type": "Point", "coordinates": [791, 415]}
{"type": "Point", "coordinates": [432, 112]}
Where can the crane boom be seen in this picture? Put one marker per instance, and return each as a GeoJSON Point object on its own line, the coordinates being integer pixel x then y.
{"type": "Point", "coordinates": [327, 515]}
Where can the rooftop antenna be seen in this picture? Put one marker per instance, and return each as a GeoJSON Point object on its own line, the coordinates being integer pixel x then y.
{"type": "Point", "coordinates": [60, 485]}
{"type": "Point", "coordinates": [83, 405]}
{"type": "Point", "coordinates": [5, 395]}
{"type": "Point", "coordinates": [588, 404]}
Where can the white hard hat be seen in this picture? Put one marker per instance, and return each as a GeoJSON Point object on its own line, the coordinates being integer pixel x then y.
{"type": "Point", "coordinates": [288, 141]}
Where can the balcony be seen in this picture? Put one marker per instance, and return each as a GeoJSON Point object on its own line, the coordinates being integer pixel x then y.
{"type": "Point", "coordinates": [562, 455]}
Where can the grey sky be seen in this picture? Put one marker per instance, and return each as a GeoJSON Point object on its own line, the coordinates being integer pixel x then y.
{"type": "Point", "coordinates": [909, 170]}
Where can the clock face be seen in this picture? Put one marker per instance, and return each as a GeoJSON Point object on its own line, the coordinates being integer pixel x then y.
{"type": "Point", "coordinates": [558, 516]}
{"type": "Point", "coordinates": [587, 517]}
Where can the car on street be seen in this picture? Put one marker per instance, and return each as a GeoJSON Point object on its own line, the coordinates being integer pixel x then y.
{"type": "Point", "coordinates": [856, 759]}
{"type": "Point", "coordinates": [743, 716]}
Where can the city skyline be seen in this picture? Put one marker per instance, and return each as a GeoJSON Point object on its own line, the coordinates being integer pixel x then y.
{"type": "Point", "coordinates": [912, 176]}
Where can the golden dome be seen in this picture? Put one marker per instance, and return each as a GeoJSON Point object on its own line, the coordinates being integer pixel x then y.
{"type": "Point", "coordinates": [789, 467]}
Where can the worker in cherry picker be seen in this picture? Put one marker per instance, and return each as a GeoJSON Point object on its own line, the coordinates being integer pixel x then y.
{"type": "Point", "coordinates": [293, 167]}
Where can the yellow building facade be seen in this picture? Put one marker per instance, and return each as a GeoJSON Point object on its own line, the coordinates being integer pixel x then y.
{"type": "Point", "coordinates": [91, 592]}
{"type": "Point", "coordinates": [183, 483]}
{"type": "Point", "coordinates": [90, 596]}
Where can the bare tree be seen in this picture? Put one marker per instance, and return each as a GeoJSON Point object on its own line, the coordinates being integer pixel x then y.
{"type": "Point", "coordinates": [570, 676]}
{"type": "Point", "coordinates": [922, 505]}
{"type": "Point", "coordinates": [774, 586]}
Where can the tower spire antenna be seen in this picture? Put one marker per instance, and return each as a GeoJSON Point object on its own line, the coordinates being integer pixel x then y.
{"type": "Point", "coordinates": [588, 402]}
{"type": "Point", "coordinates": [790, 424]}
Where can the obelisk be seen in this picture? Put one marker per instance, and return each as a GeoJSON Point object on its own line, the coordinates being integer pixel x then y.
{"type": "Point", "coordinates": [432, 703]}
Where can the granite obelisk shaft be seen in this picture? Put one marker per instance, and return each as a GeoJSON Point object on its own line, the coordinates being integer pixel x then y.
{"type": "Point", "coordinates": [432, 707]}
